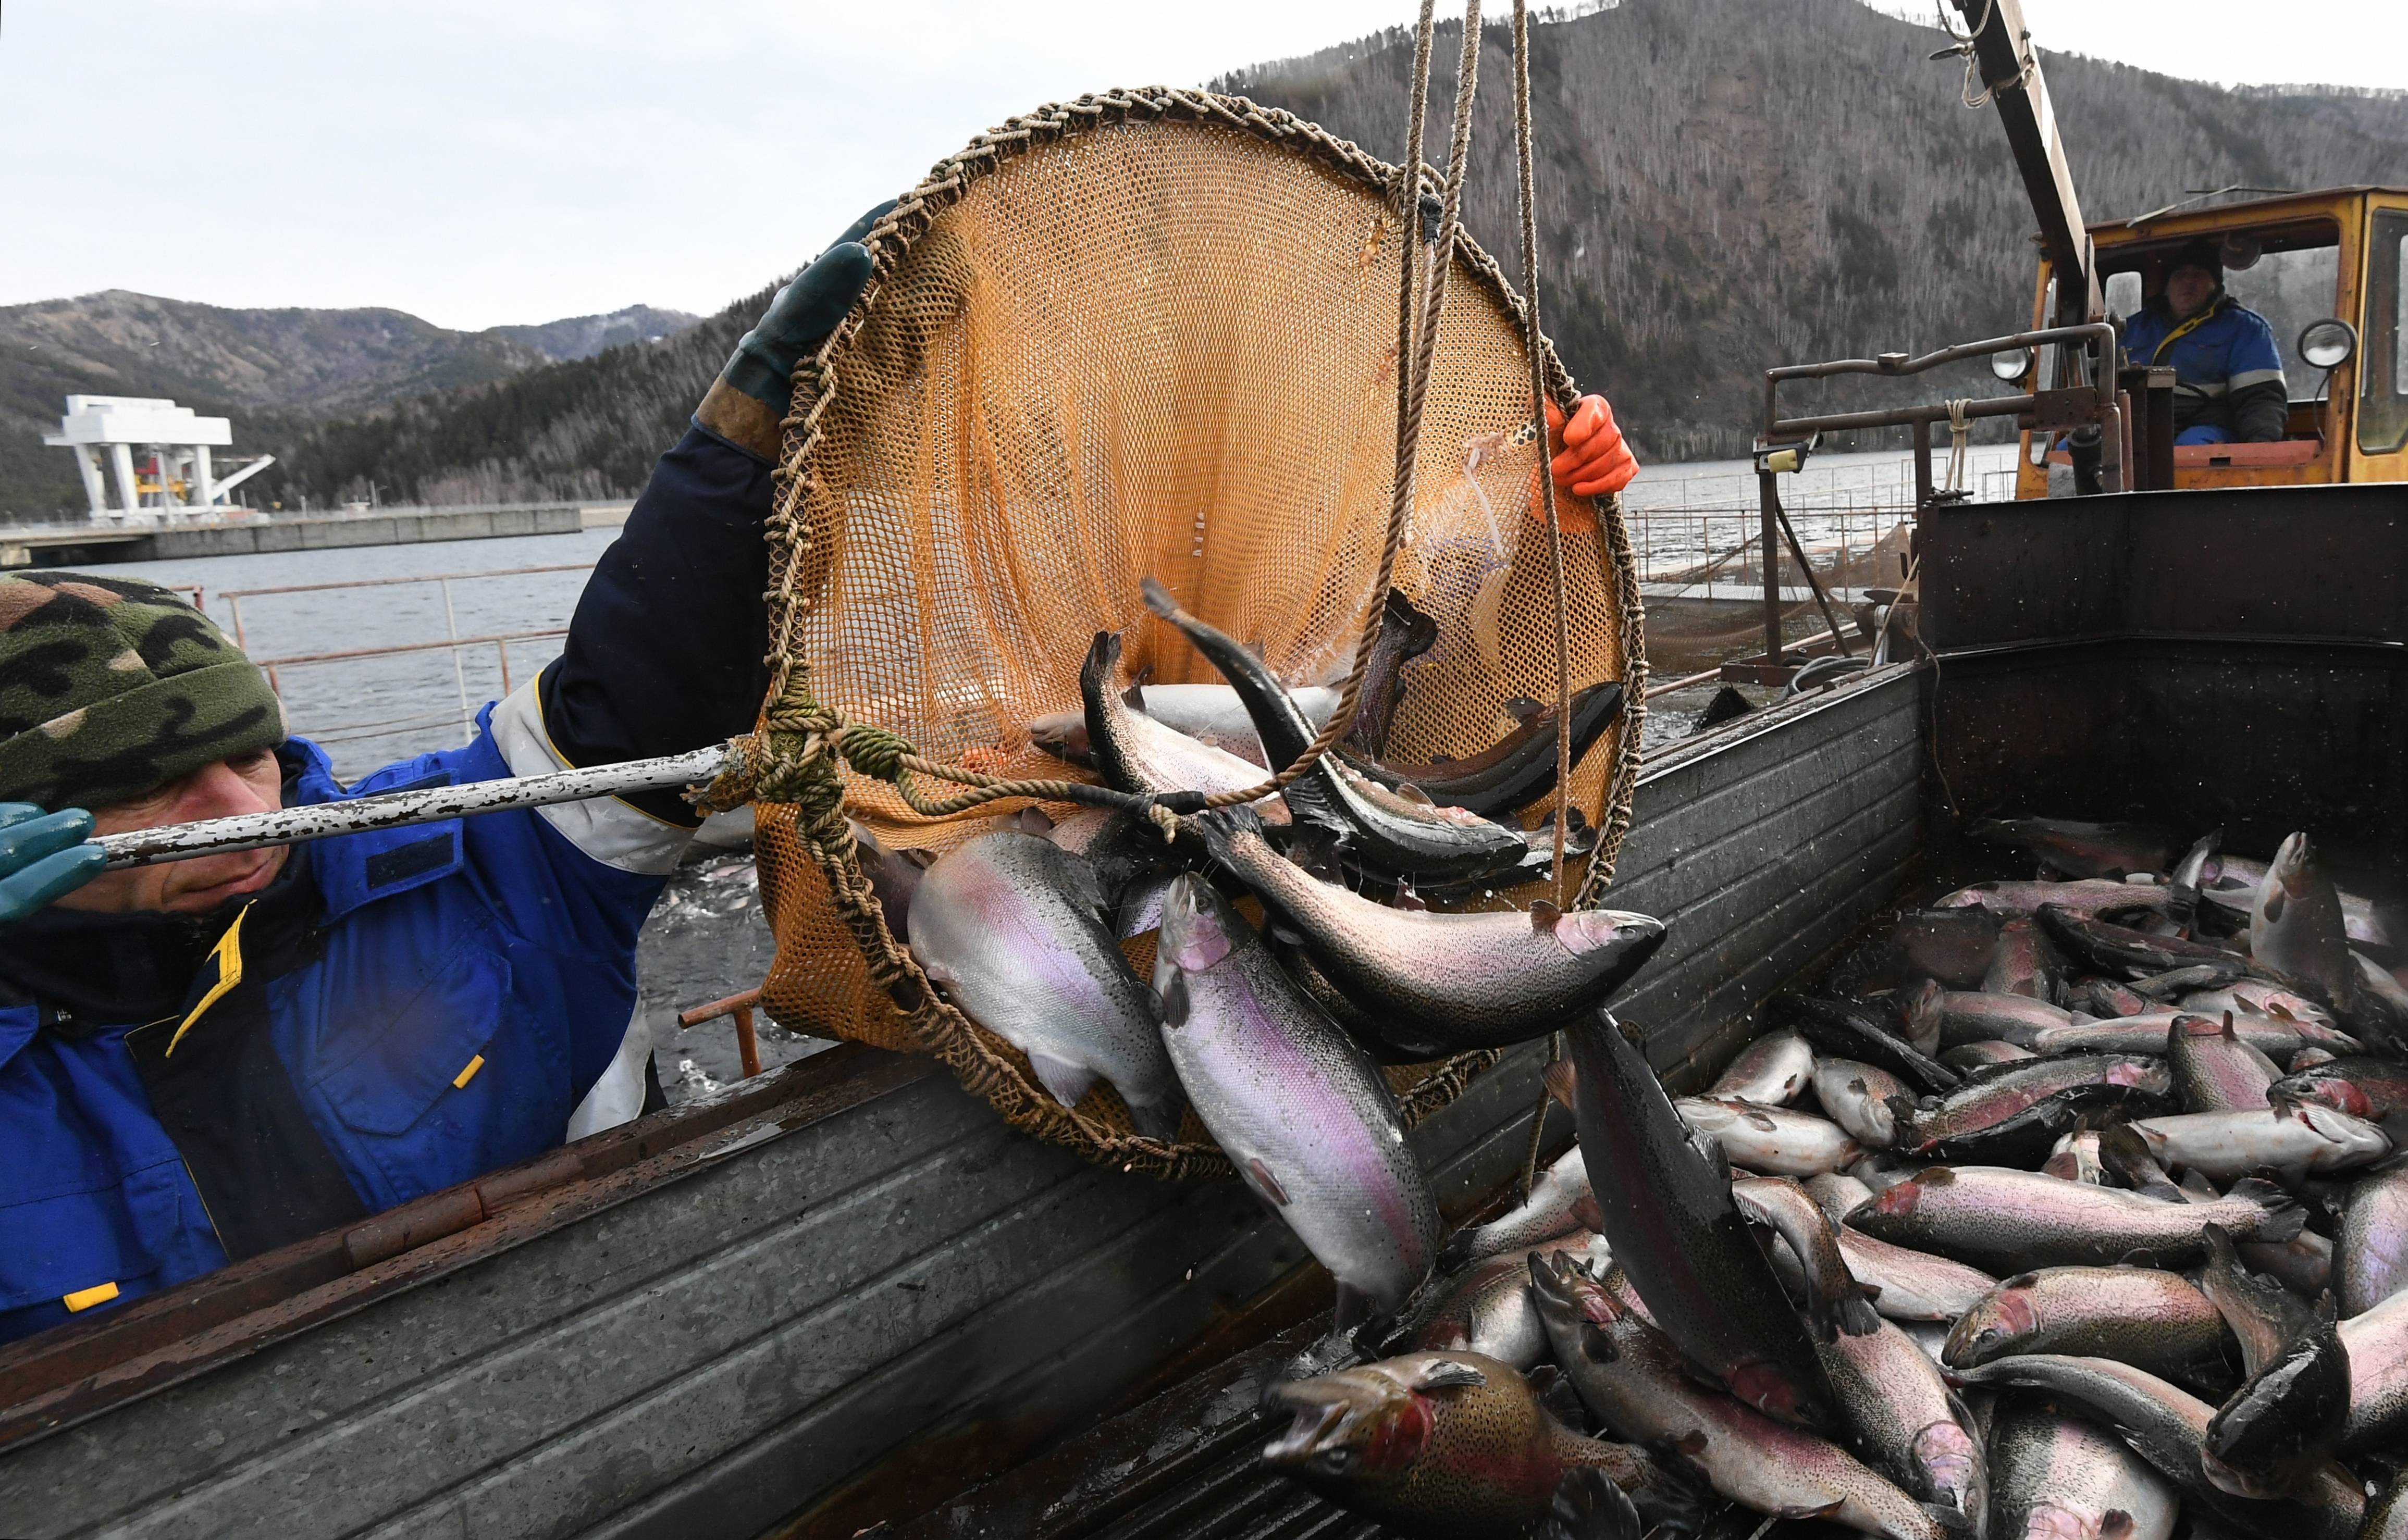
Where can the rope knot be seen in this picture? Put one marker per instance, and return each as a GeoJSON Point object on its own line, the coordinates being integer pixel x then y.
{"type": "Point", "coordinates": [875, 751]}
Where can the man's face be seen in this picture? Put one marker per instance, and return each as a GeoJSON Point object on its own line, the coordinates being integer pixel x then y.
{"type": "Point", "coordinates": [2188, 289]}
{"type": "Point", "coordinates": [248, 783]}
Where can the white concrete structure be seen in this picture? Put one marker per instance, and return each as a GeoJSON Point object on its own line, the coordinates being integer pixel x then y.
{"type": "Point", "coordinates": [177, 479]}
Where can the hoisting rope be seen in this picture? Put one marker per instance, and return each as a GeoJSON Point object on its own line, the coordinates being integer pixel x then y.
{"type": "Point", "coordinates": [1963, 45]}
{"type": "Point", "coordinates": [1530, 200]}
{"type": "Point", "coordinates": [1960, 441]}
{"type": "Point", "coordinates": [798, 738]}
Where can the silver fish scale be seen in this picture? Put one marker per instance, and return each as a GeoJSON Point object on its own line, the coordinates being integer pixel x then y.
{"type": "Point", "coordinates": [1281, 1088]}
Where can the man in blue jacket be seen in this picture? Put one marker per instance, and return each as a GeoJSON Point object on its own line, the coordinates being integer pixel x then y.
{"type": "Point", "coordinates": [2229, 385]}
{"type": "Point", "coordinates": [204, 1060]}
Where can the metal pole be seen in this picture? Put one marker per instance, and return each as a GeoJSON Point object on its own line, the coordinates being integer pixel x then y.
{"type": "Point", "coordinates": [1814, 584]}
{"type": "Point", "coordinates": [1769, 554]}
{"type": "Point", "coordinates": [459, 673]}
{"type": "Point", "coordinates": [1922, 464]}
{"type": "Point", "coordinates": [400, 809]}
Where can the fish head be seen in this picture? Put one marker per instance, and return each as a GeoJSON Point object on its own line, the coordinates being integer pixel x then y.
{"type": "Point", "coordinates": [1370, 1424]}
{"type": "Point", "coordinates": [2303, 1089]}
{"type": "Point", "coordinates": [1616, 940]}
{"type": "Point", "coordinates": [1947, 1454]}
{"type": "Point", "coordinates": [2357, 1140]}
{"type": "Point", "coordinates": [1568, 1291]}
{"type": "Point", "coordinates": [1199, 927]}
{"type": "Point", "coordinates": [2000, 1322]}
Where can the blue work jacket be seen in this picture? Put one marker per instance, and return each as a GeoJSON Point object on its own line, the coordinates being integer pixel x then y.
{"type": "Point", "coordinates": [398, 1011]}
{"type": "Point", "coordinates": [2229, 379]}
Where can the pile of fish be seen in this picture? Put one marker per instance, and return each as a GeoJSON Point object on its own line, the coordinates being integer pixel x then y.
{"type": "Point", "coordinates": [1274, 1034]}
{"type": "Point", "coordinates": [2065, 1209]}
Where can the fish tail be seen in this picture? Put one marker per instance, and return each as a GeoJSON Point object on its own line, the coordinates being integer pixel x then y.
{"type": "Point", "coordinates": [2283, 1215]}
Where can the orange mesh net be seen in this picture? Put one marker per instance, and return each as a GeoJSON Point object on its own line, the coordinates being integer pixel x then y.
{"type": "Point", "coordinates": [1146, 334]}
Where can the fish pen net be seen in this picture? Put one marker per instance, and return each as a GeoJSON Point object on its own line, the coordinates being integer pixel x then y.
{"type": "Point", "coordinates": [1144, 333]}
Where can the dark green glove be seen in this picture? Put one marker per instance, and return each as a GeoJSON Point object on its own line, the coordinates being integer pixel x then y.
{"type": "Point", "coordinates": [801, 316]}
{"type": "Point", "coordinates": [43, 855]}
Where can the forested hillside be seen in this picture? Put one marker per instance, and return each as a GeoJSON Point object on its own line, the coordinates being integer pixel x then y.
{"type": "Point", "coordinates": [1725, 184]}
{"type": "Point", "coordinates": [274, 372]}
{"type": "Point", "coordinates": [1728, 184]}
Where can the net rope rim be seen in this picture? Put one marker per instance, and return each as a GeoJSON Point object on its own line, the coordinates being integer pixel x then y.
{"type": "Point", "coordinates": [983, 1063]}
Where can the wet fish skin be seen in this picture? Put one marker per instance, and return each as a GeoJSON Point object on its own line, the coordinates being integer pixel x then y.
{"type": "Point", "coordinates": [1836, 1192]}
{"type": "Point", "coordinates": [2223, 1146]}
{"type": "Point", "coordinates": [1836, 1304]}
{"type": "Point", "coordinates": [2259, 997]}
{"type": "Point", "coordinates": [2076, 1159]}
{"type": "Point", "coordinates": [1380, 829]}
{"type": "Point", "coordinates": [2107, 946]}
{"type": "Point", "coordinates": [1302, 1114]}
{"type": "Point", "coordinates": [1213, 714]}
{"type": "Point", "coordinates": [2168, 1427]}
{"type": "Point", "coordinates": [2060, 1477]}
{"type": "Point", "coordinates": [2146, 1034]}
{"type": "Point", "coordinates": [2214, 1070]}
{"type": "Point", "coordinates": [2106, 999]}
{"type": "Point", "coordinates": [1558, 1206]}
{"type": "Point", "coordinates": [1857, 1097]}
{"type": "Point", "coordinates": [2183, 883]}
{"type": "Point", "coordinates": [2141, 1316]}
{"type": "Point", "coordinates": [2080, 849]}
{"type": "Point", "coordinates": [2303, 1264]}
{"type": "Point", "coordinates": [1633, 1379]}
{"type": "Point", "coordinates": [2014, 1219]}
{"type": "Point", "coordinates": [1133, 752]}
{"type": "Point", "coordinates": [1907, 1423]}
{"type": "Point", "coordinates": [2263, 1316]}
{"type": "Point", "coordinates": [2377, 1342]}
{"type": "Point", "coordinates": [1438, 1444]}
{"type": "Point", "coordinates": [1441, 982]}
{"type": "Point", "coordinates": [2126, 1156]}
{"type": "Point", "coordinates": [2296, 925]}
{"type": "Point", "coordinates": [1405, 634]}
{"type": "Point", "coordinates": [1846, 1030]}
{"type": "Point", "coordinates": [2387, 1515]}
{"type": "Point", "coordinates": [1489, 1311]}
{"type": "Point", "coordinates": [1677, 1233]}
{"type": "Point", "coordinates": [1975, 1015]}
{"type": "Point", "coordinates": [1965, 1057]}
{"type": "Point", "coordinates": [1771, 1071]}
{"type": "Point", "coordinates": [2233, 883]}
{"type": "Point", "coordinates": [2363, 1084]}
{"type": "Point", "coordinates": [1911, 1285]}
{"type": "Point", "coordinates": [1770, 1141]}
{"type": "Point", "coordinates": [2370, 1245]}
{"type": "Point", "coordinates": [2011, 1114]}
{"type": "Point", "coordinates": [2282, 1424]}
{"type": "Point", "coordinates": [1516, 770]}
{"type": "Point", "coordinates": [2089, 897]}
{"type": "Point", "coordinates": [2025, 963]}
{"type": "Point", "coordinates": [1012, 926]}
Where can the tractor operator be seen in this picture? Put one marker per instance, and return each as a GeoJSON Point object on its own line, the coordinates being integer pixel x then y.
{"type": "Point", "coordinates": [204, 1060]}
{"type": "Point", "coordinates": [2229, 385]}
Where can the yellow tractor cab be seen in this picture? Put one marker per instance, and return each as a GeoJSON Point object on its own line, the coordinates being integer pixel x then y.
{"type": "Point", "coordinates": [2325, 268]}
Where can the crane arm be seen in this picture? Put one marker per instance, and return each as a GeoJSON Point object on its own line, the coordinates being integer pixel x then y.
{"type": "Point", "coordinates": [2002, 52]}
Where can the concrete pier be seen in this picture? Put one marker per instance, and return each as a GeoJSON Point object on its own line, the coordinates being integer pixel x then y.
{"type": "Point", "coordinates": [85, 545]}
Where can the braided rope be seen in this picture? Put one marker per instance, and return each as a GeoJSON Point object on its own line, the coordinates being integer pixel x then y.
{"type": "Point", "coordinates": [793, 752]}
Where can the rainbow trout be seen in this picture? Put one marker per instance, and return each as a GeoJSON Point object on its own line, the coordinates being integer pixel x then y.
{"type": "Point", "coordinates": [2013, 1219]}
{"type": "Point", "coordinates": [1435, 982]}
{"type": "Point", "coordinates": [1443, 1444]}
{"type": "Point", "coordinates": [2060, 1477]}
{"type": "Point", "coordinates": [2141, 1316]}
{"type": "Point", "coordinates": [1302, 1114]}
{"type": "Point", "coordinates": [1013, 928]}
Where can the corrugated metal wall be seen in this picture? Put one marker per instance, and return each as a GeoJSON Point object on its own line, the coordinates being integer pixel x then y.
{"type": "Point", "coordinates": [714, 1354]}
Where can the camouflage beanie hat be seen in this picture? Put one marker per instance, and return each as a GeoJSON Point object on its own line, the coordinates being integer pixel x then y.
{"type": "Point", "coordinates": [111, 686]}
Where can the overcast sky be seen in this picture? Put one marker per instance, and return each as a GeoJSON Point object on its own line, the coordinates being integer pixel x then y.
{"type": "Point", "coordinates": [479, 162]}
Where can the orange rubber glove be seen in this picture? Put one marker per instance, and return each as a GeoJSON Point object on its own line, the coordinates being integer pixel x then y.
{"type": "Point", "coordinates": [1590, 458]}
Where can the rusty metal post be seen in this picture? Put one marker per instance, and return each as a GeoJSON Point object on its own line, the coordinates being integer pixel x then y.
{"type": "Point", "coordinates": [748, 1047]}
{"type": "Point", "coordinates": [1922, 464]}
{"type": "Point", "coordinates": [1768, 552]}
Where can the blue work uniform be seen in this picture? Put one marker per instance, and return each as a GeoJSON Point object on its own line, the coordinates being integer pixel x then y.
{"type": "Point", "coordinates": [2229, 384]}
{"type": "Point", "coordinates": [398, 1011]}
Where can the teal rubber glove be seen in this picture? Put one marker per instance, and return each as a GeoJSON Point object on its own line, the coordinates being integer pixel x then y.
{"type": "Point", "coordinates": [43, 855]}
{"type": "Point", "coordinates": [801, 316]}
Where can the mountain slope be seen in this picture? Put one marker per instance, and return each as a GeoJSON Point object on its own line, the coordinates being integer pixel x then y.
{"type": "Point", "coordinates": [1730, 184]}
{"type": "Point", "coordinates": [272, 370]}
